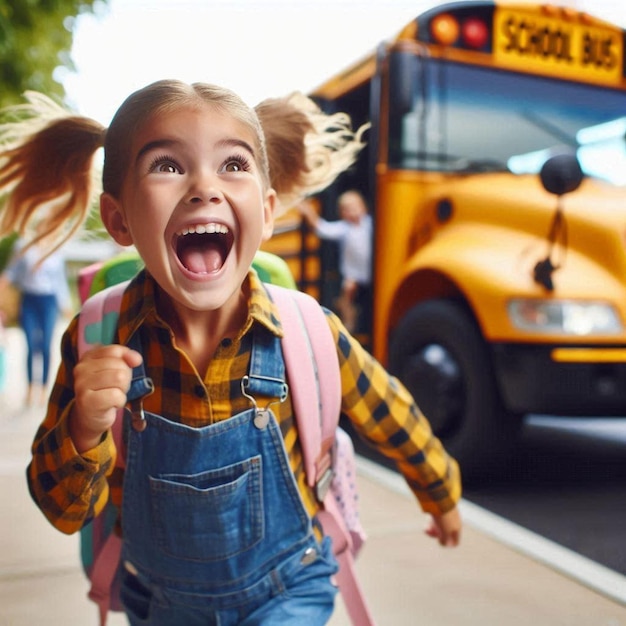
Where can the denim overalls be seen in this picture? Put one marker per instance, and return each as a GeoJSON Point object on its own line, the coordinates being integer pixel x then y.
{"type": "Point", "coordinates": [215, 531]}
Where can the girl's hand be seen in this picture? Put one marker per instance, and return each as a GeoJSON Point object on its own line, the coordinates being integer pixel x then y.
{"type": "Point", "coordinates": [446, 528]}
{"type": "Point", "coordinates": [101, 380]}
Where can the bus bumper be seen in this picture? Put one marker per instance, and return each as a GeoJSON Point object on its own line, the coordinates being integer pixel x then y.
{"type": "Point", "coordinates": [568, 381]}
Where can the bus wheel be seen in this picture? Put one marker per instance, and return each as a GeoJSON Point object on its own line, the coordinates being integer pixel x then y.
{"type": "Point", "coordinates": [439, 354]}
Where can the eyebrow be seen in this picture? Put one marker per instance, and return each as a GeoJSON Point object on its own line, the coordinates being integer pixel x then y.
{"type": "Point", "coordinates": [225, 143]}
{"type": "Point", "coordinates": [154, 145]}
{"type": "Point", "coordinates": [164, 143]}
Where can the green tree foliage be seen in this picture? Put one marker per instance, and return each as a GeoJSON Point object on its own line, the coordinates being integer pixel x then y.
{"type": "Point", "coordinates": [35, 39]}
{"type": "Point", "coordinates": [6, 245]}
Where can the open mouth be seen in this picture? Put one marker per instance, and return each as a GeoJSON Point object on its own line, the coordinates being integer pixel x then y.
{"type": "Point", "coordinates": [203, 248]}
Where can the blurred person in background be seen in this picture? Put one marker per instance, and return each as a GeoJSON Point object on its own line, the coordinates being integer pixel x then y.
{"type": "Point", "coordinates": [353, 233]}
{"type": "Point", "coordinates": [44, 294]}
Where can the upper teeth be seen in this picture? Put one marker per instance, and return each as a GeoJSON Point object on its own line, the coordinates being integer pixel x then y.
{"type": "Point", "coordinates": [201, 229]}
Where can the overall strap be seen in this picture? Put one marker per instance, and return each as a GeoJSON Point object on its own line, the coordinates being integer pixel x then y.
{"type": "Point", "coordinates": [266, 373]}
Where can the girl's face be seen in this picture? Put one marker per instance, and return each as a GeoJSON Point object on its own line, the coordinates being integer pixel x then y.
{"type": "Point", "coordinates": [194, 205]}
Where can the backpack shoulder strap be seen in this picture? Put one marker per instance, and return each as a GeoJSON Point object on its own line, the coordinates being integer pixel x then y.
{"type": "Point", "coordinates": [96, 326]}
{"type": "Point", "coordinates": [318, 386]}
{"type": "Point", "coordinates": [97, 322]}
{"type": "Point", "coordinates": [98, 317]}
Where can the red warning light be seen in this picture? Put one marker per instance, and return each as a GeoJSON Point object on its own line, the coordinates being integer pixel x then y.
{"type": "Point", "coordinates": [475, 33]}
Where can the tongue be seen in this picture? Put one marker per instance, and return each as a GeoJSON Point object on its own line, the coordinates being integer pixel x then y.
{"type": "Point", "coordinates": [202, 260]}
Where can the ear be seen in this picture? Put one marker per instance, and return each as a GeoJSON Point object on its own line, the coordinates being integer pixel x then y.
{"type": "Point", "coordinates": [114, 220]}
{"type": "Point", "coordinates": [269, 206]}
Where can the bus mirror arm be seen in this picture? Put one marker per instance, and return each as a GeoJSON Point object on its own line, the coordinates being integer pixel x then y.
{"type": "Point", "coordinates": [559, 175]}
{"type": "Point", "coordinates": [543, 270]}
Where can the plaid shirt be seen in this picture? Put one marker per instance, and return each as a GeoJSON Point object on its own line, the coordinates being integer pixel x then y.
{"type": "Point", "coordinates": [71, 488]}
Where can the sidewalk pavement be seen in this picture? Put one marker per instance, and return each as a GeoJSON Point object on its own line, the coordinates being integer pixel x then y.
{"type": "Point", "coordinates": [409, 580]}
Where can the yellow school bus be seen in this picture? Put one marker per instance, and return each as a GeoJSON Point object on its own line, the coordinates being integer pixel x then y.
{"type": "Point", "coordinates": [495, 172]}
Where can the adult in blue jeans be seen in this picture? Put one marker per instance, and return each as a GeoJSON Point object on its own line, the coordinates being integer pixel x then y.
{"type": "Point", "coordinates": [44, 294]}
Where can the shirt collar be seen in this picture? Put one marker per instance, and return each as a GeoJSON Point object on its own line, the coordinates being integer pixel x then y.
{"type": "Point", "coordinates": [139, 306]}
{"type": "Point", "coordinates": [262, 308]}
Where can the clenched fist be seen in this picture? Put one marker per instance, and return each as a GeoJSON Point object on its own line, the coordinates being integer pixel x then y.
{"type": "Point", "coordinates": [101, 380]}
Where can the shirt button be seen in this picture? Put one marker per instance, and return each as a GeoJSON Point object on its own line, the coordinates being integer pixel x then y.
{"type": "Point", "coordinates": [199, 391]}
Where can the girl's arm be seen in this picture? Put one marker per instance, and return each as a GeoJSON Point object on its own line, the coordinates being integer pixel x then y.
{"type": "Point", "coordinates": [385, 415]}
{"type": "Point", "coordinates": [70, 488]}
{"type": "Point", "coordinates": [446, 528]}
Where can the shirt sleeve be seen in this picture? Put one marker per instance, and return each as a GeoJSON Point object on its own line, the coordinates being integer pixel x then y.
{"type": "Point", "coordinates": [63, 295]}
{"type": "Point", "coordinates": [333, 231]}
{"type": "Point", "coordinates": [69, 488]}
{"type": "Point", "coordinates": [385, 415]}
{"type": "Point", "coordinates": [15, 271]}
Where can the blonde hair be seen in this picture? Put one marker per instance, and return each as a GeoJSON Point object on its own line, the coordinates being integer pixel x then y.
{"type": "Point", "coordinates": [47, 170]}
{"type": "Point", "coordinates": [307, 148]}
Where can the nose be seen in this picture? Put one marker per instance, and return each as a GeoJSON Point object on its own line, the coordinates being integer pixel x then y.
{"type": "Point", "coordinates": [203, 189]}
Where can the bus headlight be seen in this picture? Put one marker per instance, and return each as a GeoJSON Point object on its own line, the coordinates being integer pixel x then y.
{"type": "Point", "coordinates": [565, 317]}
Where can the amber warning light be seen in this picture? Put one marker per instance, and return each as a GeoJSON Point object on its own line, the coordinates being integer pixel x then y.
{"type": "Point", "coordinates": [470, 33]}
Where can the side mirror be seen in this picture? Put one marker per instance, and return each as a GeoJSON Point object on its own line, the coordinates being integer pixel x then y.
{"type": "Point", "coordinates": [405, 78]}
{"type": "Point", "coordinates": [561, 174]}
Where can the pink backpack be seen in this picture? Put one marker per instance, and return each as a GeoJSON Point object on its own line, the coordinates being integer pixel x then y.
{"type": "Point", "coordinates": [327, 449]}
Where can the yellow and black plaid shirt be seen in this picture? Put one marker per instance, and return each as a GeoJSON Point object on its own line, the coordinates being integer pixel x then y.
{"type": "Point", "coordinates": [71, 488]}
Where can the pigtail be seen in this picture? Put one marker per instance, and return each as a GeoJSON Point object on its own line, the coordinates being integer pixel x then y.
{"type": "Point", "coordinates": [307, 149]}
{"type": "Point", "coordinates": [46, 173]}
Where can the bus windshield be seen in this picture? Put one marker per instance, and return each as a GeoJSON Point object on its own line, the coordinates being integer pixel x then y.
{"type": "Point", "coordinates": [474, 119]}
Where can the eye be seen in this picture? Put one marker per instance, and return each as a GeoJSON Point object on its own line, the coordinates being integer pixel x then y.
{"type": "Point", "coordinates": [165, 164]}
{"type": "Point", "coordinates": [236, 163]}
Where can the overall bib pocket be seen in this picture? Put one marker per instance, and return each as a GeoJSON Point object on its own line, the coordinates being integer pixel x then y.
{"type": "Point", "coordinates": [218, 513]}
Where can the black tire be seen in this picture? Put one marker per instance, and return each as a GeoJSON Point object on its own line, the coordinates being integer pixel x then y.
{"type": "Point", "coordinates": [439, 354]}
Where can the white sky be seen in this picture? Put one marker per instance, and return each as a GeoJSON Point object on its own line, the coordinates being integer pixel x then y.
{"type": "Point", "coordinates": [258, 48]}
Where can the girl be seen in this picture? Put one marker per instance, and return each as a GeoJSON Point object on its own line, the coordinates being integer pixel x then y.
{"type": "Point", "coordinates": [192, 178]}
